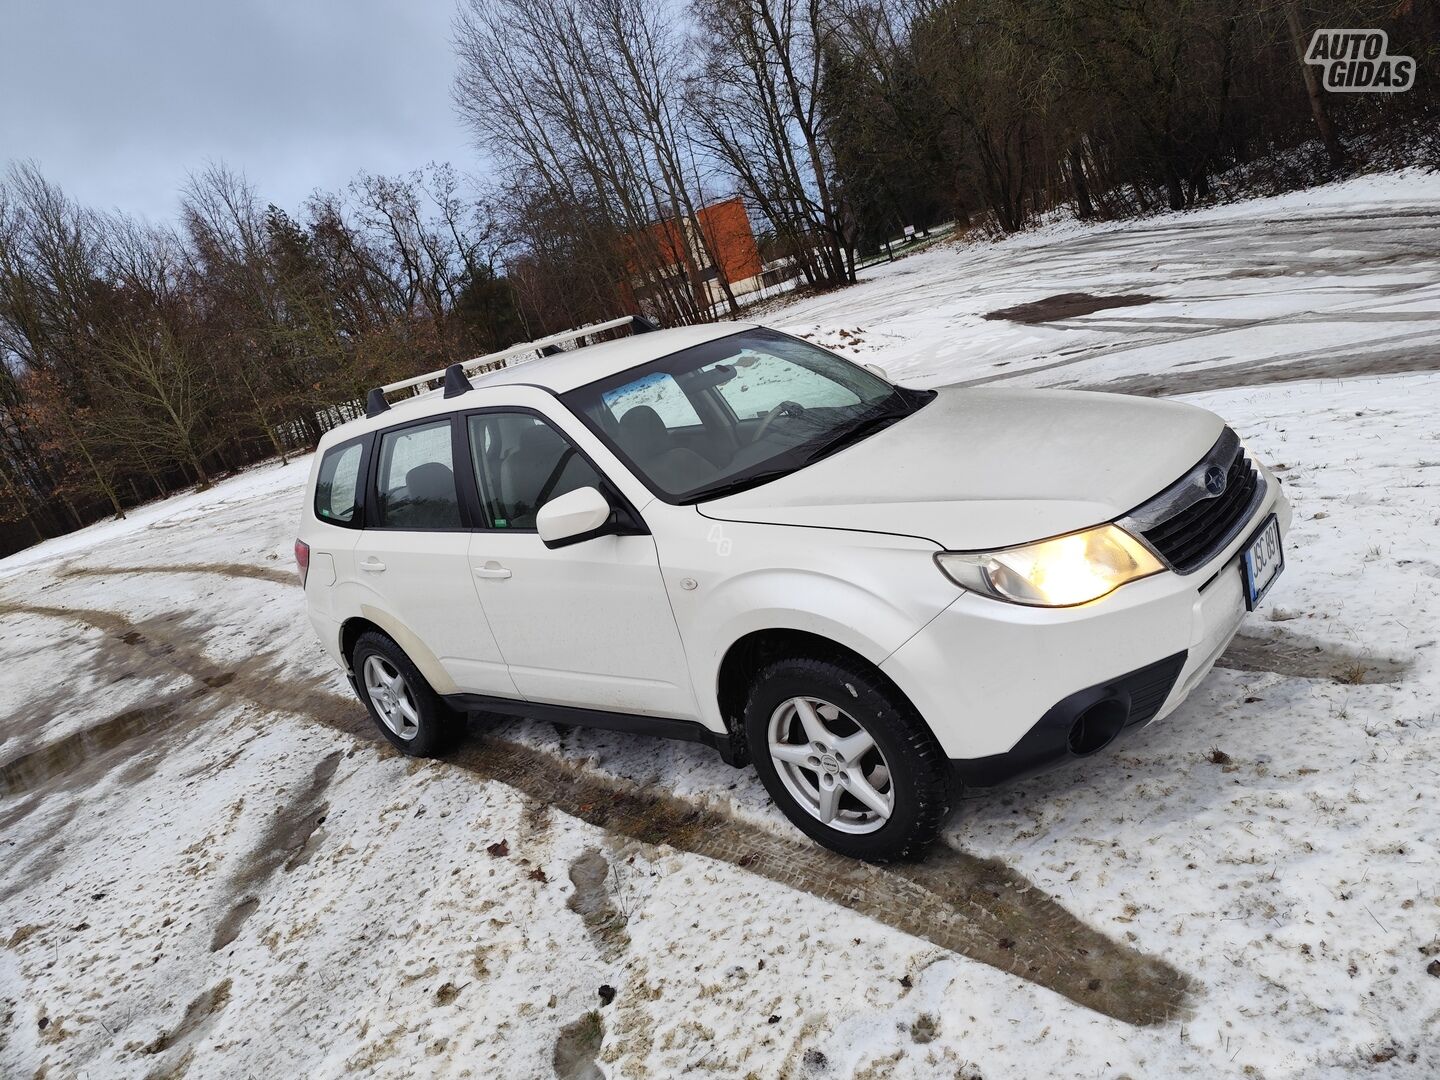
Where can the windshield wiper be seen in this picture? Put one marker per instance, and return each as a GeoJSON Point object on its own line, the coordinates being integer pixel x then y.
{"type": "Point", "coordinates": [731, 485]}
{"type": "Point", "coordinates": [891, 410]}
{"type": "Point", "coordinates": [863, 427]}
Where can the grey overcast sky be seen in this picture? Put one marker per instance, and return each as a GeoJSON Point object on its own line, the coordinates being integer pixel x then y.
{"type": "Point", "coordinates": [118, 100]}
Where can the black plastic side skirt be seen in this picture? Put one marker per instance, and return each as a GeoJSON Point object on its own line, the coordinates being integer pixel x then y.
{"type": "Point", "coordinates": [1140, 694]}
{"type": "Point", "coordinates": [574, 716]}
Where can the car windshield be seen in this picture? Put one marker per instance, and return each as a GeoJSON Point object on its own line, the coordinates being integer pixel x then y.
{"type": "Point", "coordinates": [736, 412]}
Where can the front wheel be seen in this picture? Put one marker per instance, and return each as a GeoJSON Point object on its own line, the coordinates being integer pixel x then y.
{"type": "Point", "coordinates": [846, 759]}
{"type": "Point", "coordinates": [408, 712]}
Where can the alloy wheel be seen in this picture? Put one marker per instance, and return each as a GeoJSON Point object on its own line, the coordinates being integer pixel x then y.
{"type": "Point", "coordinates": [391, 697]}
{"type": "Point", "coordinates": [831, 765]}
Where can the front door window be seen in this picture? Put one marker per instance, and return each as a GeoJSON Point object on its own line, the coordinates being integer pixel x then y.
{"type": "Point", "coordinates": [521, 463]}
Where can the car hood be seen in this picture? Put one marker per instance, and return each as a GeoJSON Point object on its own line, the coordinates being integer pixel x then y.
{"type": "Point", "coordinates": [990, 468]}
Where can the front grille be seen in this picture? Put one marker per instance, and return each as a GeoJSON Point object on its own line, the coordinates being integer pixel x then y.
{"type": "Point", "coordinates": [1193, 536]}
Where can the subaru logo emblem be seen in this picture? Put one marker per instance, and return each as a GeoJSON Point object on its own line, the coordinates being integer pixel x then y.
{"type": "Point", "coordinates": [1215, 480]}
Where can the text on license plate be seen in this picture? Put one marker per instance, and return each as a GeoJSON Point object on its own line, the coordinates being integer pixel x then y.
{"type": "Point", "coordinates": [1262, 562]}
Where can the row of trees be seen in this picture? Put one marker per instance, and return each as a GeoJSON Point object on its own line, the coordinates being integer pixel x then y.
{"type": "Point", "coordinates": [135, 359]}
{"type": "Point", "coordinates": [842, 121]}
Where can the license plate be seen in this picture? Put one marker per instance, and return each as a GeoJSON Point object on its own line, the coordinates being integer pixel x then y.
{"type": "Point", "coordinates": [1262, 562]}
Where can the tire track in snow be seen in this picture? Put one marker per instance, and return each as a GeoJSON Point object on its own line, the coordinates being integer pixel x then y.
{"type": "Point", "coordinates": [239, 570]}
{"type": "Point", "coordinates": [977, 908]}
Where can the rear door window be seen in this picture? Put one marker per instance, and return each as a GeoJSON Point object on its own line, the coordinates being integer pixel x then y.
{"type": "Point", "coordinates": [415, 480]}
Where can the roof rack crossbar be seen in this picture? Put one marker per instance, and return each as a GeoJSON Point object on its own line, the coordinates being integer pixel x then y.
{"type": "Point", "coordinates": [513, 351]}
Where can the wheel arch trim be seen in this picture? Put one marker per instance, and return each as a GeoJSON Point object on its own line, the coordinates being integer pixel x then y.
{"type": "Point", "coordinates": [428, 663]}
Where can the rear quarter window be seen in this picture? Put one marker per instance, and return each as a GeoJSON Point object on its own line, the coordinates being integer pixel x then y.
{"type": "Point", "coordinates": [337, 491]}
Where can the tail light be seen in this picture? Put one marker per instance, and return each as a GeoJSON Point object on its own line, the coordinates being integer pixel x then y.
{"type": "Point", "coordinates": [302, 560]}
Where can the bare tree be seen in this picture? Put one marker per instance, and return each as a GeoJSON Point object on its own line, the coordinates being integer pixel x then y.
{"type": "Point", "coordinates": [49, 278]}
{"type": "Point", "coordinates": [578, 101]}
{"type": "Point", "coordinates": [758, 101]}
{"type": "Point", "coordinates": [161, 388]}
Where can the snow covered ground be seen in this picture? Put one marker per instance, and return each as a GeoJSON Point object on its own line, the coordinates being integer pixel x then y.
{"type": "Point", "coordinates": [1335, 280]}
{"type": "Point", "coordinates": [209, 864]}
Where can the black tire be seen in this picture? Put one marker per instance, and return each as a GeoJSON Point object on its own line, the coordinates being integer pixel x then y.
{"type": "Point", "coordinates": [438, 727]}
{"type": "Point", "coordinates": [921, 787]}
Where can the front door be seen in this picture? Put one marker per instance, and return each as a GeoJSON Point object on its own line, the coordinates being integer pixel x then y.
{"type": "Point", "coordinates": [413, 558]}
{"type": "Point", "coordinates": [588, 624]}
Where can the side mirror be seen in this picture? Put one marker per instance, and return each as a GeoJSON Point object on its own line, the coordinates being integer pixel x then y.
{"type": "Point", "coordinates": [575, 516]}
{"type": "Point", "coordinates": [878, 371]}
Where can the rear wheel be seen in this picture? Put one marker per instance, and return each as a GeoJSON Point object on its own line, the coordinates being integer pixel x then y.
{"type": "Point", "coordinates": [408, 712]}
{"type": "Point", "coordinates": [846, 759]}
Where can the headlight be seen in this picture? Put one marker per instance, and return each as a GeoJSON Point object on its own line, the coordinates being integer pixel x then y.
{"type": "Point", "coordinates": [1067, 570]}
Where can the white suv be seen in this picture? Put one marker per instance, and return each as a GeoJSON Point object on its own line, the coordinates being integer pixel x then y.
{"type": "Point", "coordinates": [723, 534]}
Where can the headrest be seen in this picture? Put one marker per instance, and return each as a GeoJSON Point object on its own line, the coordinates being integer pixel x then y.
{"type": "Point", "coordinates": [431, 480]}
{"type": "Point", "coordinates": [642, 431]}
{"type": "Point", "coordinates": [540, 441]}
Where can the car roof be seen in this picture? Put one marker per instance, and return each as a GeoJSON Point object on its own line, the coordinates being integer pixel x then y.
{"type": "Point", "coordinates": [557, 374]}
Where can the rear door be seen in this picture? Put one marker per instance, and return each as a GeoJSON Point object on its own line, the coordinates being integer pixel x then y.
{"type": "Point", "coordinates": [412, 559]}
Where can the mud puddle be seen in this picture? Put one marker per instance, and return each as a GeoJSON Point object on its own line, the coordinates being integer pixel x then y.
{"type": "Point", "coordinates": [89, 750]}
{"type": "Point", "coordinates": [1066, 306]}
{"type": "Point", "coordinates": [1305, 658]}
{"type": "Point", "coordinates": [978, 908]}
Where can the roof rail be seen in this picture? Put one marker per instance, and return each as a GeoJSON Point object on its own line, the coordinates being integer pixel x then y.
{"type": "Point", "coordinates": [546, 346]}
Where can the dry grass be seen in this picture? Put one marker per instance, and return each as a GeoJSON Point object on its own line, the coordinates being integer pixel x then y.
{"type": "Point", "coordinates": [1352, 674]}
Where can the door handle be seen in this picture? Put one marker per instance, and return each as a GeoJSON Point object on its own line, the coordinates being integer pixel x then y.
{"type": "Point", "coordinates": [372, 566]}
{"type": "Point", "coordinates": [492, 570]}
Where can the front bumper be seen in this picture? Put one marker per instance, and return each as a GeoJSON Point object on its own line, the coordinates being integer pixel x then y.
{"type": "Point", "coordinates": [1002, 685]}
{"type": "Point", "coordinates": [1079, 725]}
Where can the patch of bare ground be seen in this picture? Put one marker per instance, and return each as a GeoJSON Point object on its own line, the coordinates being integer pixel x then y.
{"type": "Point", "coordinates": [1066, 306]}
{"type": "Point", "coordinates": [170, 645]}
{"type": "Point", "coordinates": [1304, 658]}
{"type": "Point", "coordinates": [975, 907]}
{"type": "Point", "coordinates": [233, 921]}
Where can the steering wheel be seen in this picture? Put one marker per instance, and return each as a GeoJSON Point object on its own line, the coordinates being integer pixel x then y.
{"type": "Point", "coordinates": [785, 408]}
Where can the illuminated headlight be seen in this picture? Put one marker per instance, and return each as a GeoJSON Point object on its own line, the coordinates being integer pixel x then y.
{"type": "Point", "coordinates": [1061, 572]}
